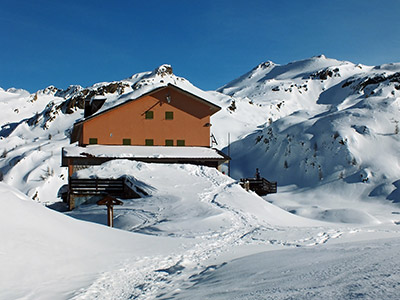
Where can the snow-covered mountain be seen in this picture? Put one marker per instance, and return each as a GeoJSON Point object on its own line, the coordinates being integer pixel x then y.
{"type": "Point", "coordinates": [325, 121]}
{"type": "Point", "coordinates": [326, 130]}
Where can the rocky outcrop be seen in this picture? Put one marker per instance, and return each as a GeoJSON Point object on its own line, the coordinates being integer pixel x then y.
{"type": "Point", "coordinates": [77, 100]}
{"type": "Point", "coordinates": [163, 70]}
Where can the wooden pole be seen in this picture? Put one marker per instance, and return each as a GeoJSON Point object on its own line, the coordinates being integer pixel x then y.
{"type": "Point", "coordinates": [110, 214]}
{"type": "Point", "coordinates": [110, 201]}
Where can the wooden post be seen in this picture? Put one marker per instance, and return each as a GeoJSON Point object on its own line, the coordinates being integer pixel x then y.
{"type": "Point", "coordinates": [247, 185]}
{"type": "Point", "coordinates": [110, 215]}
{"type": "Point", "coordinates": [110, 201]}
{"type": "Point", "coordinates": [70, 167]}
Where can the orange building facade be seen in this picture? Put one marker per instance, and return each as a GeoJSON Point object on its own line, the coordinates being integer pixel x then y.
{"type": "Point", "coordinates": [175, 120]}
{"type": "Point", "coordinates": [166, 116]}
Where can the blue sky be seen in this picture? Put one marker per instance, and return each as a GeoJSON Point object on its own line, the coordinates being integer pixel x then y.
{"type": "Point", "coordinates": [208, 42]}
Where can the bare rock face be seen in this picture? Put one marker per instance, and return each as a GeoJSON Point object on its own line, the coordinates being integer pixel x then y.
{"type": "Point", "coordinates": [164, 70]}
{"type": "Point", "coordinates": [77, 99]}
{"type": "Point", "coordinates": [325, 74]}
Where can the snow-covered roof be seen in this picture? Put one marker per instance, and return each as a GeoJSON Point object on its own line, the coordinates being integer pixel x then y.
{"type": "Point", "coordinates": [111, 151]}
{"type": "Point", "coordinates": [194, 93]}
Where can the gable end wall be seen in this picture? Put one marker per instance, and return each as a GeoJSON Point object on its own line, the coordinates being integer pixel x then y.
{"type": "Point", "coordinates": [190, 121]}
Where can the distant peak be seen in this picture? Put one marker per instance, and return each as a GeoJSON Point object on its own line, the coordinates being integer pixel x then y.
{"type": "Point", "coordinates": [163, 70]}
{"type": "Point", "coordinates": [321, 56]}
{"type": "Point", "coordinates": [265, 65]}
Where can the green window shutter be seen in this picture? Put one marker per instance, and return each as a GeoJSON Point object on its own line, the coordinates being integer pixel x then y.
{"type": "Point", "coordinates": [149, 142]}
{"type": "Point", "coordinates": [169, 142]}
{"type": "Point", "coordinates": [149, 115]}
{"type": "Point", "coordinates": [180, 142]}
{"type": "Point", "coordinates": [92, 141]}
{"type": "Point", "coordinates": [126, 141]}
{"type": "Point", "coordinates": [169, 115]}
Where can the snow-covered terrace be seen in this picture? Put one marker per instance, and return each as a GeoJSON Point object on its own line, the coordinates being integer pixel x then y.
{"type": "Point", "coordinates": [101, 153]}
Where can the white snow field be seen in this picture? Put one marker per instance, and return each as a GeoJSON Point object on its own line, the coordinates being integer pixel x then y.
{"type": "Point", "coordinates": [362, 270]}
{"type": "Point", "coordinates": [326, 130]}
{"type": "Point", "coordinates": [196, 227]}
{"type": "Point", "coordinates": [46, 255]}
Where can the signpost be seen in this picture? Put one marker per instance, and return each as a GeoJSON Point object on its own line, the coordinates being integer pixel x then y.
{"type": "Point", "coordinates": [110, 201]}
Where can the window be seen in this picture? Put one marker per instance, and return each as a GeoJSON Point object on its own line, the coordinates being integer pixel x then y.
{"type": "Point", "coordinates": [169, 115]}
{"type": "Point", "coordinates": [149, 115]}
{"type": "Point", "coordinates": [92, 141]}
{"type": "Point", "coordinates": [169, 142]}
{"type": "Point", "coordinates": [180, 142]}
{"type": "Point", "coordinates": [149, 142]}
{"type": "Point", "coordinates": [126, 141]}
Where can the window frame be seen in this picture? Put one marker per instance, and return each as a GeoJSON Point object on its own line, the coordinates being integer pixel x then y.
{"type": "Point", "coordinates": [169, 142]}
{"type": "Point", "coordinates": [149, 115]}
{"type": "Point", "coordinates": [149, 142]}
{"type": "Point", "coordinates": [169, 115]}
{"type": "Point", "coordinates": [180, 143]}
{"type": "Point", "coordinates": [126, 142]}
{"type": "Point", "coordinates": [93, 141]}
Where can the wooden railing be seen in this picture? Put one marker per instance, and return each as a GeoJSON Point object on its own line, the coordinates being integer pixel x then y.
{"type": "Point", "coordinates": [259, 185]}
{"type": "Point", "coordinates": [96, 186]}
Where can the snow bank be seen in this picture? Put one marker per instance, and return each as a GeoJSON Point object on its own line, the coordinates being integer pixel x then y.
{"type": "Point", "coordinates": [47, 255]}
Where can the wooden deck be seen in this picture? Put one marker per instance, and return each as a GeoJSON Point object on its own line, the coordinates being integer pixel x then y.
{"type": "Point", "coordinates": [90, 190]}
{"type": "Point", "coordinates": [260, 186]}
{"type": "Point", "coordinates": [96, 186]}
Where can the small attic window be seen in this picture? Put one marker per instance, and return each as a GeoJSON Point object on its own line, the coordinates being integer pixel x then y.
{"type": "Point", "coordinates": [169, 115]}
{"type": "Point", "coordinates": [149, 115]}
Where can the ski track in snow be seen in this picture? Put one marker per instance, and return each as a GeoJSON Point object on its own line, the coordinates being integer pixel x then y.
{"type": "Point", "coordinates": [146, 277]}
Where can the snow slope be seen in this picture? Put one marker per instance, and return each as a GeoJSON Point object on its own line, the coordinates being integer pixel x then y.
{"type": "Point", "coordinates": [192, 215]}
{"type": "Point", "coordinates": [332, 272]}
{"type": "Point", "coordinates": [217, 222]}
{"type": "Point", "coordinates": [46, 255]}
